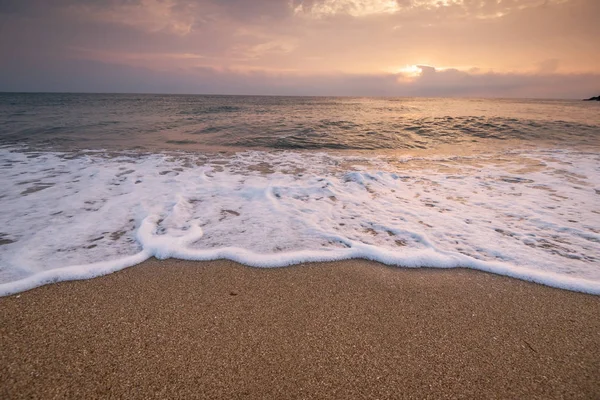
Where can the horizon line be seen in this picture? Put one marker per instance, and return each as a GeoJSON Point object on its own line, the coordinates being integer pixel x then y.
{"type": "Point", "coordinates": [296, 95]}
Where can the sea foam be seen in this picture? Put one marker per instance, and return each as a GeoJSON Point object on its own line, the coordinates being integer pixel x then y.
{"type": "Point", "coordinates": [531, 215]}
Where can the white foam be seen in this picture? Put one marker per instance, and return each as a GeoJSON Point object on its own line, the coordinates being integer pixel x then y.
{"type": "Point", "coordinates": [530, 215]}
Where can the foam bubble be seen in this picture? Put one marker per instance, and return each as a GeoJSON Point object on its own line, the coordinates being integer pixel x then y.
{"type": "Point", "coordinates": [530, 215]}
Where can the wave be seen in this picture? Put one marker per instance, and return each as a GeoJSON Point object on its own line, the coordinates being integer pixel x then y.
{"type": "Point", "coordinates": [525, 214]}
{"type": "Point", "coordinates": [66, 122]}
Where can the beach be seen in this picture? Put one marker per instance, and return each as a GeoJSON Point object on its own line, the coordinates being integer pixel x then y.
{"type": "Point", "coordinates": [300, 199]}
{"type": "Point", "coordinates": [349, 329]}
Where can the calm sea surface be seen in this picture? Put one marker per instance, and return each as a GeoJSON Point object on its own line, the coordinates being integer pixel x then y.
{"type": "Point", "coordinates": [156, 122]}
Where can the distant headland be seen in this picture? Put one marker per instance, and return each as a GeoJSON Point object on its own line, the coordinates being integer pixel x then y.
{"type": "Point", "coordinates": [597, 98]}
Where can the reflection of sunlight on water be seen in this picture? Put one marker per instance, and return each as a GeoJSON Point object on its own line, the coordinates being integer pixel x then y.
{"type": "Point", "coordinates": [234, 123]}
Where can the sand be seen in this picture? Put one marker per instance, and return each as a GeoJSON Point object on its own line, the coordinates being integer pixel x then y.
{"type": "Point", "coordinates": [353, 329]}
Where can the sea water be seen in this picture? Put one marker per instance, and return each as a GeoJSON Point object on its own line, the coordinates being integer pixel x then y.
{"type": "Point", "coordinates": [91, 184]}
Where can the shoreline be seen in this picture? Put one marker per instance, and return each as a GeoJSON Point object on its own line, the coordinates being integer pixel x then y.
{"type": "Point", "coordinates": [273, 261]}
{"type": "Point", "coordinates": [444, 213]}
{"type": "Point", "coordinates": [355, 328]}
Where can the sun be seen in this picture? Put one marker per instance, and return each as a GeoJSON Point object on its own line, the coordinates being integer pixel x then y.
{"type": "Point", "coordinates": [409, 71]}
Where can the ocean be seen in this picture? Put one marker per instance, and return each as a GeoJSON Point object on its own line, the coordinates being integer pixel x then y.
{"type": "Point", "coordinates": [93, 183]}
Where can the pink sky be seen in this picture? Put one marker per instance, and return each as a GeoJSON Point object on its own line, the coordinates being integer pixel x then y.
{"type": "Point", "coordinates": [501, 48]}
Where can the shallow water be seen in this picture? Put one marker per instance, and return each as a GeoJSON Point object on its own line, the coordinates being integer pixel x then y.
{"type": "Point", "coordinates": [511, 187]}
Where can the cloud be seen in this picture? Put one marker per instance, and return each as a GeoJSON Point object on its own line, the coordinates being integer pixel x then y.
{"type": "Point", "coordinates": [548, 66]}
{"type": "Point", "coordinates": [81, 75]}
{"type": "Point", "coordinates": [148, 15]}
{"type": "Point", "coordinates": [328, 46]}
{"type": "Point", "coordinates": [355, 8]}
{"type": "Point", "coordinates": [453, 82]}
{"type": "Point", "coordinates": [451, 8]}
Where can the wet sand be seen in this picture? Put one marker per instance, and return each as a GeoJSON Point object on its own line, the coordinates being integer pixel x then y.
{"type": "Point", "coordinates": [353, 329]}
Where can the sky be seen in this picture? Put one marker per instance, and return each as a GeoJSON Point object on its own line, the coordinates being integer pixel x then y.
{"type": "Point", "coordinates": [463, 48]}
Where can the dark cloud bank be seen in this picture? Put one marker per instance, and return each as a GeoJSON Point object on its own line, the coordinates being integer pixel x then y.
{"type": "Point", "coordinates": [91, 76]}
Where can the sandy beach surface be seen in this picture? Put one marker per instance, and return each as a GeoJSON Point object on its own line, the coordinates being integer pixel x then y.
{"type": "Point", "coordinates": [353, 329]}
